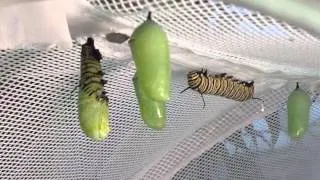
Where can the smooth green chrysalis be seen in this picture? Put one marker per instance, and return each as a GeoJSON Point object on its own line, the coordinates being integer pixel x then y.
{"type": "Point", "coordinates": [153, 113]}
{"type": "Point", "coordinates": [298, 106]}
{"type": "Point", "coordinates": [150, 51]}
{"type": "Point", "coordinates": [93, 102]}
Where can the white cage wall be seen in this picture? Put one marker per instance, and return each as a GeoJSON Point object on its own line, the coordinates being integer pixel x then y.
{"type": "Point", "coordinates": [39, 131]}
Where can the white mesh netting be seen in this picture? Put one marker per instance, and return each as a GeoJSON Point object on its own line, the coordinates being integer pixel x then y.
{"type": "Point", "coordinates": [40, 136]}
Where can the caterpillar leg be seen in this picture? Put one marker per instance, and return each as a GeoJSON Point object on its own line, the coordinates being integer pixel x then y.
{"type": "Point", "coordinates": [74, 90]}
{"type": "Point", "coordinates": [205, 72]}
{"type": "Point", "coordinates": [221, 75]}
{"type": "Point", "coordinates": [262, 103]}
{"type": "Point", "coordinates": [204, 103]}
{"type": "Point", "coordinates": [257, 98]}
{"type": "Point", "coordinates": [104, 81]}
{"type": "Point", "coordinates": [101, 73]}
{"type": "Point", "coordinates": [184, 90]}
{"type": "Point", "coordinates": [315, 98]}
{"type": "Point", "coordinates": [104, 96]}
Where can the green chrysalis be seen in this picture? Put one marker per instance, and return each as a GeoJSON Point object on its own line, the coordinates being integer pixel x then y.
{"type": "Point", "coordinates": [150, 51]}
{"type": "Point", "coordinates": [298, 106]}
{"type": "Point", "coordinates": [93, 103]}
{"type": "Point", "coordinates": [153, 113]}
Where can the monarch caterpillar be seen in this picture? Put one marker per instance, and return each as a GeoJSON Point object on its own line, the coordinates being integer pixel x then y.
{"type": "Point", "coordinates": [298, 106]}
{"type": "Point", "coordinates": [153, 113]}
{"type": "Point", "coordinates": [221, 85]}
{"type": "Point", "coordinates": [93, 102]}
{"type": "Point", "coordinates": [150, 51]}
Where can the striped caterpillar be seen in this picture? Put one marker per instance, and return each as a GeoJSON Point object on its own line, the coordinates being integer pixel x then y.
{"type": "Point", "coordinates": [221, 85]}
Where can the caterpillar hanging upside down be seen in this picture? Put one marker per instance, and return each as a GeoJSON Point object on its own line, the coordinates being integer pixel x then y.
{"type": "Point", "coordinates": [221, 85]}
{"type": "Point", "coordinates": [93, 102]}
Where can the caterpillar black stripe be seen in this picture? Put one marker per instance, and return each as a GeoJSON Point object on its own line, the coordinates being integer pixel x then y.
{"type": "Point", "coordinates": [221, 85]}
{"type": "Point", "coordinates": [92, 81]}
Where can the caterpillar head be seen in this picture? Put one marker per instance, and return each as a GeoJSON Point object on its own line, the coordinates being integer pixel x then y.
{"type": "Point", "coordinates": [197, 73]}
{"type": "Point", "coordinates": [249, 84]}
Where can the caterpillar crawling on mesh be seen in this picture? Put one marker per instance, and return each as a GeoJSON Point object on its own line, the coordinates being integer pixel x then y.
{"type": "Point", "coordinates": [93, 102]}
{"type": "Point", "coordinates": [221, 85]}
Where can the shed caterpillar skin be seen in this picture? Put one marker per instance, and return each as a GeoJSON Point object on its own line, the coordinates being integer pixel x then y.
{"type": "Point", "coordinates": [150, 52]}
{"type": "Point", "coordinates": [298, 106]}
{"type": "Point", "coordinates": [93, 103]}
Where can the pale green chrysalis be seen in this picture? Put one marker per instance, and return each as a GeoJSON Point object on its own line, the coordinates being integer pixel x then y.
{"type": "Point", "coordinates": [150, 52]}
{"type": "Point", "coordinates": [93, 117]}
{"type": "Point", "coordinates": [298, 107]}
{"type": "Point", "coordinates": [93, 103]}
{"type": "Point", "coordinates": [153, 113]}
